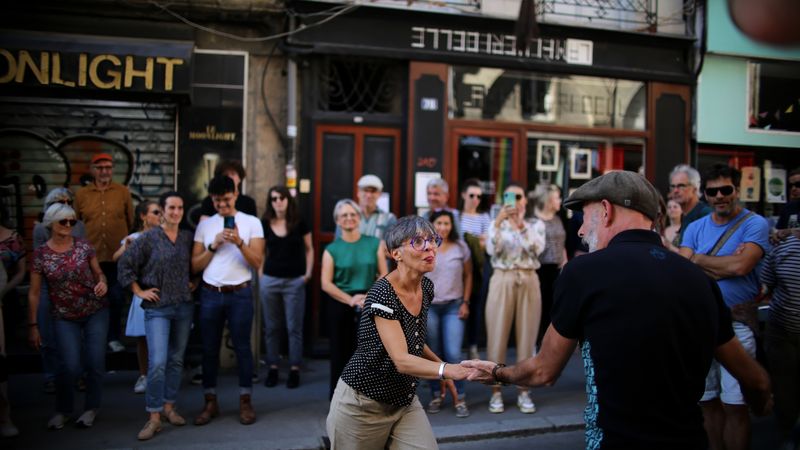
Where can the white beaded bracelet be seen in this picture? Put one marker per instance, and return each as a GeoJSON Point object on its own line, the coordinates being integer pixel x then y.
{"type": "Point", "coordinates": [441, 370]}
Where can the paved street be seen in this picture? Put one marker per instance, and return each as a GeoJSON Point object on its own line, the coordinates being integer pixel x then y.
{"type": "Point", "coordinates": [287, 419]}
{"type": "Point", "coordinates": [295, 419]}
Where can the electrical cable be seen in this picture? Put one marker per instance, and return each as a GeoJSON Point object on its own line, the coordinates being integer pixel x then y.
{"type": "Point", "coordinates": [284, 140]}
{"type": "Point", "coordinates": [235, 37]}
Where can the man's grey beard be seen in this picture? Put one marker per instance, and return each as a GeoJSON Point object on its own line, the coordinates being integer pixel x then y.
{"type": "Point", "coordinates": [590, 239]}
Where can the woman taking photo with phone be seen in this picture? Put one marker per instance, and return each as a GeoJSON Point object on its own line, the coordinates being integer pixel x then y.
{"type": "Point", "coordinates": [514, 244]}
{"type": "Point", "coordinates": [157, 267]}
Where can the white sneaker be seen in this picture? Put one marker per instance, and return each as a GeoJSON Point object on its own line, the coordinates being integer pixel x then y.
{"type": "Point", "coordinates": [141, 385]}
{"type": "Point", "coordinates": [8, 430]}
{"type": "Point", "coordinates": [56, 422]}
{"type": "Point", "coordinates": [116, 346]}
{"type": "Point", "coordinates": [525, 404]}
{"type": "Point", "coordinates": [86, 420]}
{"type": "Point", "coordinates": [496, 403]}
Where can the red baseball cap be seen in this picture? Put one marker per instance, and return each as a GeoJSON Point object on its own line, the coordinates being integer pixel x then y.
{"type": "Point", "coordinates": [101, 157]}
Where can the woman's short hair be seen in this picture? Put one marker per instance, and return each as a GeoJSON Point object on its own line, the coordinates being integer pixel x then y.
{"type": "Point", "coordinates": [406, 228]}
{"type": "Point", "coordinates": [56, 212]}
{"type": "Point", "coordinates": [541, 194]}
{"type": "Point", "coordinates": [453, 235]}
{"type": "Point", "coordinates": [341, 204]}
{"type": "Point", "coordinates": [57, 194]}
{"type": "Point", "coordinates": [162, 199]}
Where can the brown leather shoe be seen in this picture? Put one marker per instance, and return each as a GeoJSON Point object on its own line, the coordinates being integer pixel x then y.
{"type": "Point", "coordinates": [246, 413]}
{"type": "Point", "coordinates": [210, 411]}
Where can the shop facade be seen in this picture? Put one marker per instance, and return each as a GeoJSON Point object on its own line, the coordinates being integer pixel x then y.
{"type": "Point", "coordinates": [415, 95]}
{"type": "Point", "coordinates": [748, 102]}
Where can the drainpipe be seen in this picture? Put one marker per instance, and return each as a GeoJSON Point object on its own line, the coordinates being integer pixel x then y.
{"type": "Point", "coordinates": [291, 119]}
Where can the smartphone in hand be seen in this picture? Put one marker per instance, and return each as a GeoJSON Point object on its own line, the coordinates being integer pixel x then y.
{"type": "Point", "coordinates": [229, 222]}
{"type": "Point", "coordinates": [510, 199]}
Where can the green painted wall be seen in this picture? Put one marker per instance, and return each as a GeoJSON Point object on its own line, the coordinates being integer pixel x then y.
{"type": "Point", "coordinates": [725, 38]}
{"type": "Point", "coordinates": [722, 107]}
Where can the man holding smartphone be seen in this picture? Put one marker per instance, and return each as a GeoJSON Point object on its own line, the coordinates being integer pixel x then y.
{"type": "Point", "coordinates": [228, 246]}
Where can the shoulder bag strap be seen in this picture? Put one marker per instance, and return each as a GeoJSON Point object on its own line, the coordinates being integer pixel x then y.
{"type": "Point", "coordinates": [728, 233]}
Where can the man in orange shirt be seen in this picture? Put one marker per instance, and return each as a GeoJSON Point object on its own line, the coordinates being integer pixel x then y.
{"type": "Point", "coordinates": [106, 209]}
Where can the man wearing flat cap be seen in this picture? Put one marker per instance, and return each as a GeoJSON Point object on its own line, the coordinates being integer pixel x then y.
{"type": "Point", "coordinates": [106, 209]}
{"type": "Point", "coordinates": [648, 323]}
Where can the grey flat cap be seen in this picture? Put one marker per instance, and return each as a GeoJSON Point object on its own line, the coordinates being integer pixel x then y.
{"type": "Point", "coordinates": [623, 188]}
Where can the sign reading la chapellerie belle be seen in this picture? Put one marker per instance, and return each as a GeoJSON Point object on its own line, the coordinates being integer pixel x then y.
{"type": "Point", "coordinates": [94, 71]}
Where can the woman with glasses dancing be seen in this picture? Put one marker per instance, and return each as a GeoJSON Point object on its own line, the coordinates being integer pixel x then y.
{"type": "Point", "coordinates": [514, 245]}
{"type": "Point", "coordinates": [375, 405]}
{"type": "Point", "coordinates": [77, 289]}
{"type": "Point", "coordinates": [350, 265]}
{"type": "Point", "coordinates": [157, 267]}
{"type": "Point", "coordinates": [288, 265]}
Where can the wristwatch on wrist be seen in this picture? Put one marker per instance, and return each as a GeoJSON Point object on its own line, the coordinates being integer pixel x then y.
{"type": "Point", "coordinates": [494, 374]}
{"type": "Point", "coordinates": [212, 250]}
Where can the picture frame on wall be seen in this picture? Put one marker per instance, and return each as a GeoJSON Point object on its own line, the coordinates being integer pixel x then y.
{"type": "Point", "coordinates": [547, 154]}
{"type": "Point", "coordinates": [580, 164]}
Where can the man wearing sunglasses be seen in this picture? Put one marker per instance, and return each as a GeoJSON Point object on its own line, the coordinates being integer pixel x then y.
{"type": "Point", "coordinates": [684, 188]}
{"type": "Point", "coordinates": [106, 209]}
{"type": "Point", "coordinates": [728, 245]}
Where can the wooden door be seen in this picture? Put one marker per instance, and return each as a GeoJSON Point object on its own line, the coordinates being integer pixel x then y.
{"type": "Point", "coordinates": [342, 155]}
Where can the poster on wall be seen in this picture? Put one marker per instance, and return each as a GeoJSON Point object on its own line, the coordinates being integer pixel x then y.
{"type": "Point", "coordinates": [750, 190]}
{"type": "Point", "coordinates": [547, 156]}
{"type": "Point", "coordinates": [207, 136]}
{"type": "Point", "coordinates": [580, 163]}
{"type": "Point", "coordinates": [776, 186]}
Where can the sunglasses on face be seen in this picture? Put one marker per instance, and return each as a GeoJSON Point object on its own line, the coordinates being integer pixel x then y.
{"type": "Point", "coordinates": [420, 243]}
{"type": "Point", "coordinates": [724, 190]}
{"type": "Point", "coordinates": [518, 197]}
{"type": "Point", "coordinates": [67, 222]}
{"type": "Point", "coordinates": [156, 212]}
{"type": "Point", "coordinates": [277, 198]}
{"type": "Point", "coordinates": [474, 195]}
{"type": "Point", "coordinates": [796, 184]}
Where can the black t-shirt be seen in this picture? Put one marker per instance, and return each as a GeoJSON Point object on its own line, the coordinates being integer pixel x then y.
{"type": "Point", "coordinates": [648, 321]}
{"type": "Point", "coordinates": [286, 256]}
{"type": "Point", "coordinates": [786, 220]}
{"type": "Point", "coordinates": [244, 204]}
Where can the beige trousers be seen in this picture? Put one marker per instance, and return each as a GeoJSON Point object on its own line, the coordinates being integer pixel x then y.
{"type": "Point", "coordinates": [514, 297]}
{"type": "Point", "coordinates": [358, 422]}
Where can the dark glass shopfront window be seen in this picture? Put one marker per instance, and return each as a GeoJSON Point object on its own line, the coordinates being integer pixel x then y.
{"type": "Point", "coordinates": [484, 93]}
{"type": "Point", "coordinates": [487, 159]}
{"type": "Point", "coordinates": [774, 103]}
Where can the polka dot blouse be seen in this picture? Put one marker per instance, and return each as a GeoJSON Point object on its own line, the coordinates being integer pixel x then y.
{"type": "Point", "coordinates": [370, 371]}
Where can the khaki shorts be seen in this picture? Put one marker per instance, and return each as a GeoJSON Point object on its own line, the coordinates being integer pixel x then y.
{"type": "Point", "coordinates": [356, 421]}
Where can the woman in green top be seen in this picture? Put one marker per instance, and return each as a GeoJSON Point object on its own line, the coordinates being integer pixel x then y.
{"type": "Point", "coordinates": [350, 265]}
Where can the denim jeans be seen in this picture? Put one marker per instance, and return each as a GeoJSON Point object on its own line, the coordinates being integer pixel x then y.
{"type": "Point", "coordinates": [49, 348]}
{"type": "Point", "coordinates": [237, 308]}
{"type": "Point", "coordinates": [445, 335]}
{"type": "Point", "coordinates": [82, 340]}
{"type": "Point", "coordinates": [167, 330]}
{"type": "Point", "coordinates": [283, 304]}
